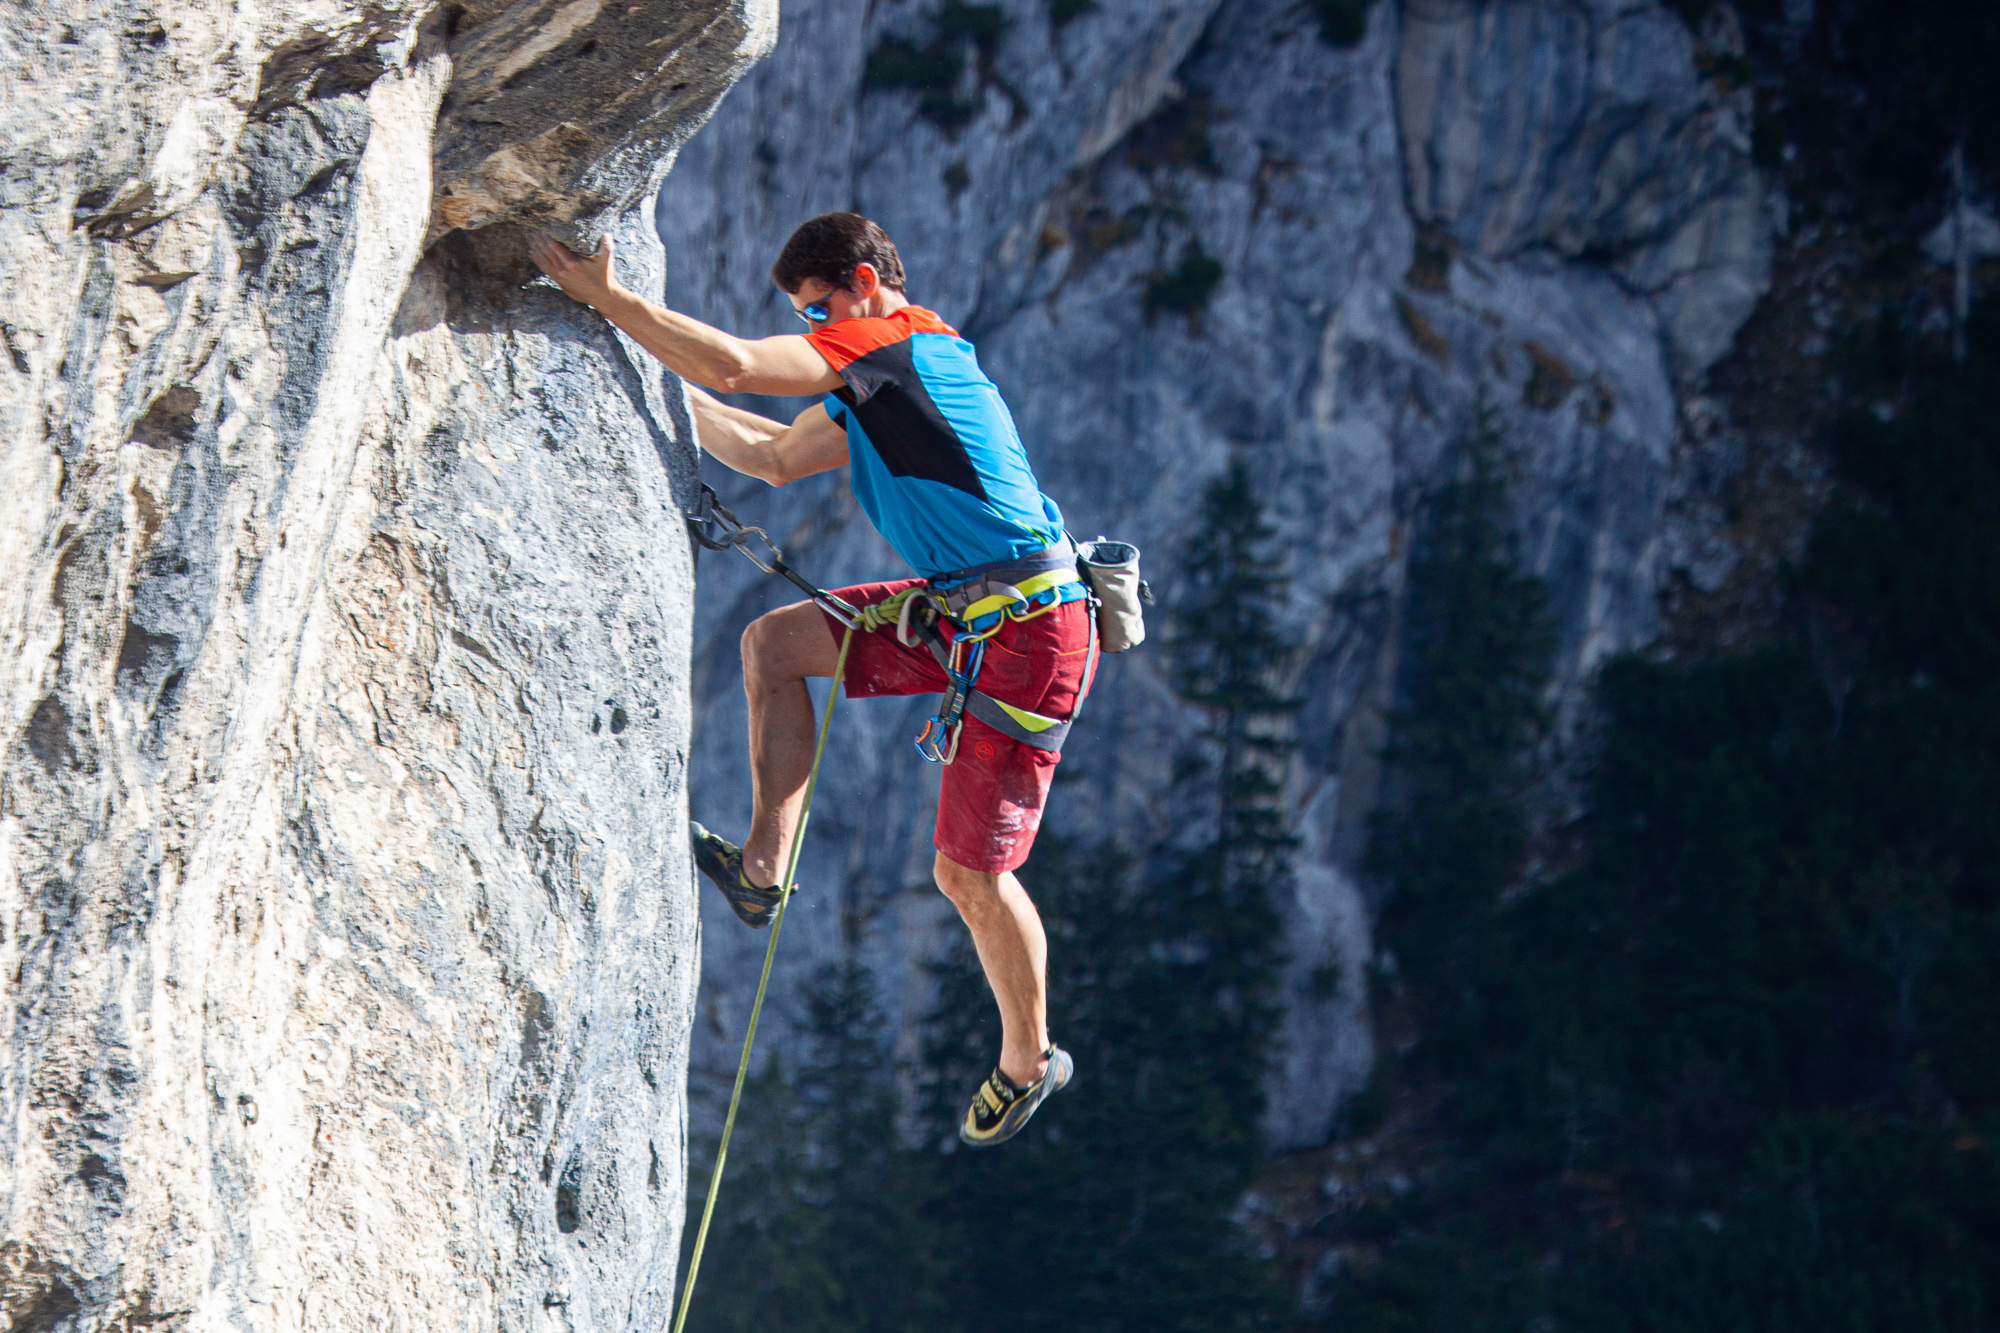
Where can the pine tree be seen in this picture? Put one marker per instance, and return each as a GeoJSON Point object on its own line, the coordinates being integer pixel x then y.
{"type": "Point", "coordinates": [1229, 657]}
{"type": "Point", "coordinates": [1478, 649]}
{"type": "Point", "coordinates": [1734, 1068]}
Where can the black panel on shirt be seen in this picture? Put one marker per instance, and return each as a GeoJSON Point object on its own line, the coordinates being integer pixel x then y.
{"type": "Point", "coordinates": [887, 395]}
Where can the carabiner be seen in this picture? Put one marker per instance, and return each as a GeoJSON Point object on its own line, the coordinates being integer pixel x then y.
{"type": "Point", "coordinates": [930, 741]}
{"type": "Point", "coordinates": [949, 720]}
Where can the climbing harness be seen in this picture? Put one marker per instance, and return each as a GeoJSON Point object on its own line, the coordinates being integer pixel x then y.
{"type": "Point", "coordinates": [978, 603]}
{"type": "Point", "coordinates": [718, 530]}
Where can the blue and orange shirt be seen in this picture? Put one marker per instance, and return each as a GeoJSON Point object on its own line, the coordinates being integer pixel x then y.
{"type": "Point", "coordinates": [936, 461]}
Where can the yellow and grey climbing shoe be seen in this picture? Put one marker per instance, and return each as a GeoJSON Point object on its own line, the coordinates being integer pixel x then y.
{"type": "Point", "coordinates": [722, 861]}
{"type": "Point", "coordinates": [1001, 1107]}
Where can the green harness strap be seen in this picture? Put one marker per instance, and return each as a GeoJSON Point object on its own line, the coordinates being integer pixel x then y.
{"type": "Point", "coordinates": [757, 1006]}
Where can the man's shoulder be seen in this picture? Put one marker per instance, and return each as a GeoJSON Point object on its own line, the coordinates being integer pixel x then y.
{"type": "Point", "coordinates": [919, 320]}
{"type": "Point", "coordinates": [848, 341]}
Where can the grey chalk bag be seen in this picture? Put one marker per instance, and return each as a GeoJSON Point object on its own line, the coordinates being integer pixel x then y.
{"type": "Point", "coordinates": [1112, 569]}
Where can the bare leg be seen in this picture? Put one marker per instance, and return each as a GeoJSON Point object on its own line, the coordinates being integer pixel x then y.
{"type": "Point", "coordinates": [1007, 932]}
{"type": "Point", "coordinates": [780, 649]}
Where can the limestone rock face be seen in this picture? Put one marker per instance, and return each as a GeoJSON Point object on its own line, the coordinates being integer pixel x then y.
{"type": "Point", "coordinates": [346, 923]}
{"type": "Point", "coordinates": [1539, 215]}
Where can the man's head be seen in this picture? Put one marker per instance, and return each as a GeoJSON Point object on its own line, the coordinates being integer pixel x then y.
{"type": "Point", "coordinates": [842, 255]}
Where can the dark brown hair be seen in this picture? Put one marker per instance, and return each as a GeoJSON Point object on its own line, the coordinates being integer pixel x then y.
{"type": "Point", "coordinates": [831, 246]}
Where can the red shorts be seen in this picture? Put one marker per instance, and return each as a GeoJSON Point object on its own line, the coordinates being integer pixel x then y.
{"type": "Point", "coordinates": [990, 803]}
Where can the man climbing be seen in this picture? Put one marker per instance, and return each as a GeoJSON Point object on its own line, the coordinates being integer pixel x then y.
{"type": "Point", "coordinates": [940, 470]}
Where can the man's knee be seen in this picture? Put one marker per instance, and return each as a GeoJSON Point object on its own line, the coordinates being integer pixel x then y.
{"type": "Point", "coordinates": [764, 644]}
{"type": "Point", "coordinates": [787, 644]}
{"type": "Point", "coordinates": [963, 885]}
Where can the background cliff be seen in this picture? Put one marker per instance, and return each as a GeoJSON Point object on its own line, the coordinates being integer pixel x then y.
{"type": "Point", "coordinates": [1332, 242]}
{"type": "Point", "coordinates": [345, 912]}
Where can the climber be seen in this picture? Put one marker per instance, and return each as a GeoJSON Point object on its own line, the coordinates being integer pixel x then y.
{"type": "Point", "coordinates": [940, 470]}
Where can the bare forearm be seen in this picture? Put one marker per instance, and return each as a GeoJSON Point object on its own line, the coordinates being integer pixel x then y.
{"type": "Point", "coordinates": [761, 448]}
{"type": "Point", "coordinates": [691, 349]}
{"type": "Point", "coordinates": [741, 441]}
{"type": "Point", "coordinates": [786, 365]}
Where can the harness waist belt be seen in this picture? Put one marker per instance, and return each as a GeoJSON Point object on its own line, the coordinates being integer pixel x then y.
{"type": "Point", "coordinates": [982, 590]}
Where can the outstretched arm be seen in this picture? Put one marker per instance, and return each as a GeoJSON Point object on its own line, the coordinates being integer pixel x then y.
{"type": "Point", "coordinates": [787, 366]}
{"type": "Point", "coordinates": [762, 448]}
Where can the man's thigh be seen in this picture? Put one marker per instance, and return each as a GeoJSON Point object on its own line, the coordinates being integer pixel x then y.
{"type": "Point", "coordinates": [879, 664]}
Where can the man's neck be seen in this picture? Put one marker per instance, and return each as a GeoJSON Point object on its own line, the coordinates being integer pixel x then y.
{"type": "Point", "coordinates": [885, 301]}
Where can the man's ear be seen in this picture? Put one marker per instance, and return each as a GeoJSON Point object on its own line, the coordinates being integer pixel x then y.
{"type": "Point", "coordinates": [866, 281]}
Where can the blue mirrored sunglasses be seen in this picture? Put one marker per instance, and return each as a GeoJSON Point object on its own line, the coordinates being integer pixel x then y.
{"type": "Point", "coordinates": [816, 313]}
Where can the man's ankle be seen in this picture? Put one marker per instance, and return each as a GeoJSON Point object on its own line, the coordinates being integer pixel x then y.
{"type": "Point", "coordinates": [1035, 1068]}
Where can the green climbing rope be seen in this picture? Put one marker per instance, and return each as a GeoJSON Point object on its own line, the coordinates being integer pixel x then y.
{"type": "Point", "coordinates": [757, 1005]}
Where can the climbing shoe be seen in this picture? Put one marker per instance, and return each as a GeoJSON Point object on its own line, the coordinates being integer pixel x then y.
{"type": "Point", "coordinates": [1000, 1107]}
{"type": "Point", "coordinates": [722, 861]}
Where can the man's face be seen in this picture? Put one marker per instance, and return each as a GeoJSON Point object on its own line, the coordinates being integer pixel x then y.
{"type": "Point", "coordinates": [815, 297]}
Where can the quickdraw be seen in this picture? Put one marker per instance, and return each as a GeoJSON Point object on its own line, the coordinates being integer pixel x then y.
{"type": "Point", "coordinates": [948, 722]}
{"type": "Point", "coordinates": [717, 529]}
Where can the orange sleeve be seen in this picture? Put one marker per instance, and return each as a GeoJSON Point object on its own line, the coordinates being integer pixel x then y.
{"type": "Point", "coordinates": [848, 341]}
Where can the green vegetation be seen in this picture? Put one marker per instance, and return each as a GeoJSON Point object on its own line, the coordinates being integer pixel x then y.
{"type": "Point", "coordinates": [1478, 645]}
{"type": "Point", "coordinates": [1186, 288]}
{"type": "Point", "coordinates": [1342, 22]}
{"type": "Point", "coordinates": [934, 70]}
{"type": "Point", "coordinates": [1115, 1210]}
{"type": "Point", "coordinates": [1735, 1068]}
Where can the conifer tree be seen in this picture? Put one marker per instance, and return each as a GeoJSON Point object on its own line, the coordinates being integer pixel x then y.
{"type": "Point", "coordinates": [1229, 658]}
{"type": "Point", "coordinates": [1734, 1067]}
{"type": "Point", "coordinates": [1478, 649]}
